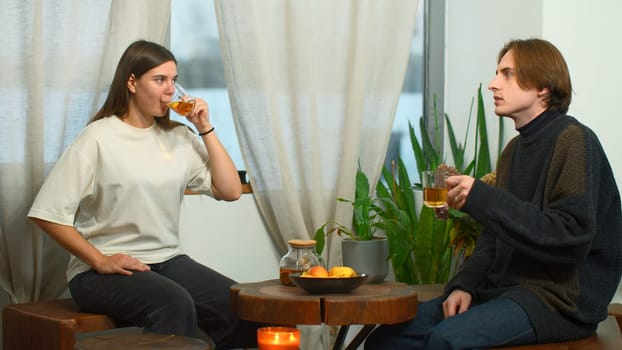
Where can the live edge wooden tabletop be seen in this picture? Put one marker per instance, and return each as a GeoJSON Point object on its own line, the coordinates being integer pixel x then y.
{"type": "Point", "coordinates": [271, 302]}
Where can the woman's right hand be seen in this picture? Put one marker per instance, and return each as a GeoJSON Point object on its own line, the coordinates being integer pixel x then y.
{"type": "Point", "coordinates": [121, 264]}
{"type": "Point", "coordinates": [68, 237]}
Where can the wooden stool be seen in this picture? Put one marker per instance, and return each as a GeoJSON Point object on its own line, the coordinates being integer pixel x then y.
{"type": "Point", "coordinates": [49, 325]}
{"type": "Point", "coordinates": [141, 341]}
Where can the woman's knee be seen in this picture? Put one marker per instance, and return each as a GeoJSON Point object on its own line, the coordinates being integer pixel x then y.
{"type": "Point", "coordinates": [180, 309]}
{"type": "Point", "coordinates": [175, 316]}
{"type": "Point", "coordinates": [175, 301]}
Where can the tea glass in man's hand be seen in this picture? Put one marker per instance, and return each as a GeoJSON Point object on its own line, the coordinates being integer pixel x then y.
{"type": "Point", "coordinates": [182, 103]}
{"type": "Point", "coordinates": [434, 189]}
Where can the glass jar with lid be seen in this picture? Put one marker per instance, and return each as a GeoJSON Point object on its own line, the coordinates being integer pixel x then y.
{"type": "Point", "coordinates": [300, 257]}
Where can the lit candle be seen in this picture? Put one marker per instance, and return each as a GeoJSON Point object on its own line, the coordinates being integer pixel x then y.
{"type": "Point", "coordinates": [278, 338]}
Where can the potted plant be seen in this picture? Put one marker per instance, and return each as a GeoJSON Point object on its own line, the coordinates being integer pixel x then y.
{"type": "Point", "coordinates": [365, 247]}
{"type": "Point", "coordinates": [430, 250]}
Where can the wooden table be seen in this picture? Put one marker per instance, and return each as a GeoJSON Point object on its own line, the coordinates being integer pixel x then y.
{"type": "Point", "coordinates": [369, 305]}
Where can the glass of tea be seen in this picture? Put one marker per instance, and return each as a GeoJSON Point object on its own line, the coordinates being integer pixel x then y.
{"type": "Point", "coordinates": [434, 189]}
{"type": "Point", "coordinates": [182, 103]}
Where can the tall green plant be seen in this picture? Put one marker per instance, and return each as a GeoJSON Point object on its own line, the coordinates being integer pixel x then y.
{"type": "Point", "coordinates": [423, 253]}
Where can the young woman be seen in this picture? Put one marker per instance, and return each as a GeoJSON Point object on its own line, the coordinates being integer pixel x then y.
{"type": "Point", "coordinates": [113, 201]}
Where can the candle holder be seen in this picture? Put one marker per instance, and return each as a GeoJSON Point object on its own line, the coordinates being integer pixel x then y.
{"type": "Point", "coordinates": [278, 338]}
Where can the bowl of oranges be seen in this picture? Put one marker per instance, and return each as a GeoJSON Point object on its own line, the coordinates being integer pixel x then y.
{"type": "Point", "coordinates": [337, 280]}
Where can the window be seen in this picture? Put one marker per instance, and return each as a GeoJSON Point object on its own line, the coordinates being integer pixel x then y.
{"type": "Point", "coordinates": [195, 43]}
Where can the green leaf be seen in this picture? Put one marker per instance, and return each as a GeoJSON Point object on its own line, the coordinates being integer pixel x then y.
{"type": "Point", "coordinates": [483, 162]}
{"type": "Point", "coordinates": [362, 185]}
{"type": "Point", "coordinates": [416, 146]}
{"type": "Point", "coordinates": [429, 152]}
{"type": "Point", "coordinates": [320, 239]}
{"type": "Point", "coordinates": [457, 150]}
{"type": "Point", "coordinates": [406, 195]}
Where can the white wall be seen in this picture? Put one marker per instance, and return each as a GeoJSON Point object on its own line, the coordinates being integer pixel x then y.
{"type": "Point", "coordinates": [229, 237]}
{"type": "Point", "coordinates": [475, 31]}
{"type": "Point", "coordinates": [586, 32]}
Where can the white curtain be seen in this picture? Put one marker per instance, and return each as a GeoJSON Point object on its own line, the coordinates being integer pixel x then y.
{"type": "Point", "coordinates": [314, 87]}
{"type": "Point", "coordinates": [57, 59]}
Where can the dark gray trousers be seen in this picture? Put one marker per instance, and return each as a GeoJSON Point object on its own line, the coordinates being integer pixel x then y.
{"type": "Point", "coordinates": [175, 297]}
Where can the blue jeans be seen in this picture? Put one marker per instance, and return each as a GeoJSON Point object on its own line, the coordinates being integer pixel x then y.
{"type": "Point", "coordinates": [499, 322]}
{"type": "Point", "coordinates": [175, 297]}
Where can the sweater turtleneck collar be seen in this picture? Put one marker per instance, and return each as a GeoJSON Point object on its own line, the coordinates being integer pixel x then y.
{"type": "Point", "coordinates": [538, 123]}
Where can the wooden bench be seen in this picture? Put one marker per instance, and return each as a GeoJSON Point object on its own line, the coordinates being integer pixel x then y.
{"type": "Point", "coordinates": [55, 325]}
{"type": "Point", "coordinates": [48, 325]}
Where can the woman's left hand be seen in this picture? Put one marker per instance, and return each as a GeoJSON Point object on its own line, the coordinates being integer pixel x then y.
{"type": "Point", "coordinates": [225, 180]}
{"type": "Point", "coordinates": [199, 116]}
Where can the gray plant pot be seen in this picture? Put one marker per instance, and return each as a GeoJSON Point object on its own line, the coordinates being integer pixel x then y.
{"type": "Point", "coordinates": [370, 257]}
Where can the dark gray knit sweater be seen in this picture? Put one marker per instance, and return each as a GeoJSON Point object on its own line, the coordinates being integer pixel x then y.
{"type": "Point", "coordinates": [552, 236]}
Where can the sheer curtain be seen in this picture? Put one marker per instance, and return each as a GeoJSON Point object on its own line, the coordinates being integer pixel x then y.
{"type": "Point", "coordinates": [57, 59]}
{"type": "Point", "coordinates": [314, 87]}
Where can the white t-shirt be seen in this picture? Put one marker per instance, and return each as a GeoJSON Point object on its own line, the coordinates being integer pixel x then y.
{"type": "Point", "coordinates": [122, 188]}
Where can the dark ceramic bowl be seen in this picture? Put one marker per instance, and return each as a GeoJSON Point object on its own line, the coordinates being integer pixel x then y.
{"type": "Point", "coordinates": [328, 285]}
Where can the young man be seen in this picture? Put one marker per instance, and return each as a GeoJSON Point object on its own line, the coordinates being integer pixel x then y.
{"type": "Point", "coordinates": [548, 260]}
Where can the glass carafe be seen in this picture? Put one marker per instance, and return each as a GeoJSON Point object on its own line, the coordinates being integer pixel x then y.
{"type": "Point", "coordinates": [300, 257]}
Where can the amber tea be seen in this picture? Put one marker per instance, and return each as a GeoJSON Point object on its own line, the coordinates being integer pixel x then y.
{"type": "Point", "coordinates": [435, 197]}
{"type": "Point", "coordinates": [284, 276]}
{"type": "Point", "coordinates": [182, 107]}
{"type": "Point", "coordinates": [181, 103]}
{"type": "Point", "coordinates": [434, 189]}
